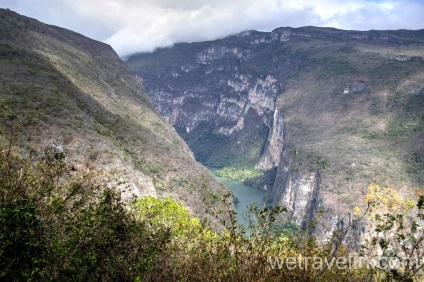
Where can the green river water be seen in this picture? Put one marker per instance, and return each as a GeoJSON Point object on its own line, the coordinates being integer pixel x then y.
{"type": "Point", "coordinates": [246, 194]}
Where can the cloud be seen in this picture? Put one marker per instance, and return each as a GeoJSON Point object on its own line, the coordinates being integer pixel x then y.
{"type": "Point", "coordinates": [132, 26]}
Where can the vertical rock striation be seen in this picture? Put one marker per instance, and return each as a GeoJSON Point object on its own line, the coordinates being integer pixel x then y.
{"type": "Point", "coordinates": [298, 192]}
{"type": "Point", "coordinates": [274, 147]}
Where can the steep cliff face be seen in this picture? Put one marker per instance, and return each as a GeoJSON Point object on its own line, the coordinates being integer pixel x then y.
{"type": "Point", "coordinates": [275, 143]}
{"type": "Point", "coordinates": [300, 194]}
{"type": "Point", "coordinates": [322, 111]}
{"type": "Point", "coordinates": [231, 111]}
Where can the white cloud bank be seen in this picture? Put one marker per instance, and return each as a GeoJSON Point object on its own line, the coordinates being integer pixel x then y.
{"type": "Point", "coordinates": [132, 26]}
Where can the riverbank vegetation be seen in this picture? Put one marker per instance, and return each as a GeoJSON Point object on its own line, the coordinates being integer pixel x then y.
{"type": "Point", "coordinates": [248, 175]}
{"type": "Point", "coordinates": [241, 174]}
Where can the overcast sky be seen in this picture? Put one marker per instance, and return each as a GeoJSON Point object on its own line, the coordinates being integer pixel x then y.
{"type": "Point", "coordinates": [132, 26]}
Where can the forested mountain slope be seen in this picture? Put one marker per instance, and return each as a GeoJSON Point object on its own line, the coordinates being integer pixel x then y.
{"type": "Point", "coordinates": [59, 88]}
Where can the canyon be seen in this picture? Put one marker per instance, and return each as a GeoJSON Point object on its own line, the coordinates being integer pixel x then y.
{"type": "Point", "coordinates": [313, 114]}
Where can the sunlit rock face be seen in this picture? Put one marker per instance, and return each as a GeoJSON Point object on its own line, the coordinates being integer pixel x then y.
{"type": "Point", "coordinates": [275, 144]}
{"type": "Point", "coordinates": [300, 195]}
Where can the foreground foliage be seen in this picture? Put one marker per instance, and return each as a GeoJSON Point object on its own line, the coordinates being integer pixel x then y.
{"type": "Point", "coordinates": [58, 223]}
{"type": "Point", "coordinates": [394, 241]}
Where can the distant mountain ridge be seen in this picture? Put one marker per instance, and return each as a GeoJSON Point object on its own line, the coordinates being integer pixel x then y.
{"type": "Point", "coordinates": [402, 36]}
{"type": "Point", "coordinates": [321, 112]}
{"type": "Point", "coordinates": [65, 89]}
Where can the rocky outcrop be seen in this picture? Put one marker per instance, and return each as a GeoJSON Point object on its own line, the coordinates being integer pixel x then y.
{"type": "Point", "coordinates": [232, 110]}
{"type": "Point", "coordinates": [228, 110]}
{"type": "Point", "coordinates": [300, 196]}
{"type": "Point", "coordinates": [213, 53]}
